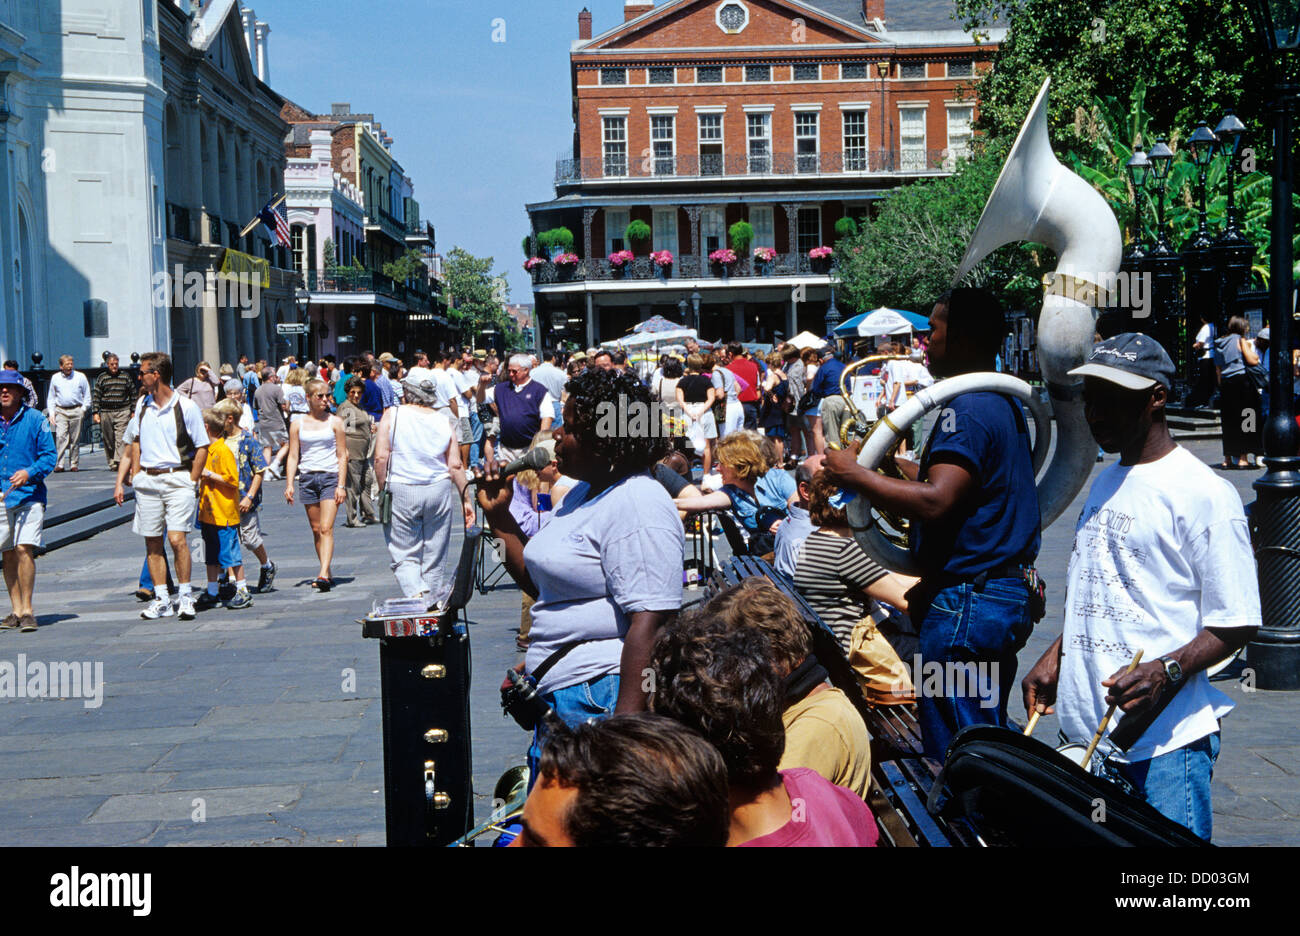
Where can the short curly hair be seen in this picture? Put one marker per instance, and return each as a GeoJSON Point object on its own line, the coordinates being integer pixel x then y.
{"type": "Point", "coordinates": [593, 393]}
{"type": "Point", "coordinates": [759, 604]}
{"type": "Point", "coordinates": [723, 684]}
{"type": "Point", "coordinates": [643, 780]}
{"type": "Point", "coordinates": [742, 452]}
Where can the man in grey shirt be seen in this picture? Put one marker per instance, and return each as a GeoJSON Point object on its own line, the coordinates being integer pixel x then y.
{"type": "Point", "coordinates": [791, 534]}
{"type": "Point", "coordinates": [553, 379]}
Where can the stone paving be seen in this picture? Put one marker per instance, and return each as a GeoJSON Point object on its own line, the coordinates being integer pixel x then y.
{"type": "Point", "coordinates": [251, 716]}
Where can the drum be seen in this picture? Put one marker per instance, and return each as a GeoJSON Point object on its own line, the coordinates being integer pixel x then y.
{"type": "Point", "coordinates": [1074, 753]}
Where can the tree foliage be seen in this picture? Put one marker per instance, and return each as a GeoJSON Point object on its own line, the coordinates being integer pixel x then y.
{"type": "Point", "coordinates": [406, 267]}
{"type": "Point", "coordinates": [906, 257]}
{"type": "Point", "coordinates": [1197, 57]}
{"type": "Point", "coordinates": [475, 296]}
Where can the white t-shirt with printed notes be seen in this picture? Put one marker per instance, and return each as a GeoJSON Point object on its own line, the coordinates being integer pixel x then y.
{"type": "Point", "coordinates": [1161, 551]}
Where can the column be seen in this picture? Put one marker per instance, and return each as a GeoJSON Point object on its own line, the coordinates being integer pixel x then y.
{"type": "Point", "coordinates": [693, 215]}
{"type": "Point", "coordinates": [792, 214]}
{"type": "Point", "coordinates": [211, 179]}
{"type": "Point", "coordinates": [210, 331]}
{"type": "Point", "coordinates": [738, 321]}
{"type": "Point", "coordinates": [587, 215]}
{"type": "Point", "coordinates": [192, 163]}
{"type": "Point", "coordinates": [791, 319]}
{"type": "Point", "coordinates": [591, 321]}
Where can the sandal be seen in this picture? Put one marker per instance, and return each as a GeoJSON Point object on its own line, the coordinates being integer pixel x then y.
{"type": "Point", "coordinates": [322, 584]}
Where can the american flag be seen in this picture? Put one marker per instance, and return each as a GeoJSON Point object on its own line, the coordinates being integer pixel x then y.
{"type": "Point", "coordinates": [272, 218]}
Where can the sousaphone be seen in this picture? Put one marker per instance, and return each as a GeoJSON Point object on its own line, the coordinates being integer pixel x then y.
{"type": "Point", "coordinates": [1036, 199]}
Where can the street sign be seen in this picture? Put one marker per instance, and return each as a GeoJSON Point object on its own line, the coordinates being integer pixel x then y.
{"type": "Point", "coordinates": [292, 328]}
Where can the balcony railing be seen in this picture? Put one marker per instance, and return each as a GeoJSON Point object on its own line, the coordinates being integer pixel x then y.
{"type": "Point", "coordinates": [692, 166]}
{"type": "Point", "coordinates": [345, 280]}
{"type": "Point", "coordinates": [685, 266]}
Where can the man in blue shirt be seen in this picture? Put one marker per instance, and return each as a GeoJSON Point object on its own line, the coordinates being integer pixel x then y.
{"type": "Point", "coordinates": [975, 530]}
{"type": "Point", "coordinates": [373, 400]}
{"type": "Point", "coordinates": [27, 455]}
{"type": "Point", "coordinates": [825, 390]}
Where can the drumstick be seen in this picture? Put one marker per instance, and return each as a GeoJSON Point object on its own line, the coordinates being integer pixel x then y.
{"type": "Point", "coordinates": [1101, 729]}
{"type": "Point", "coordinates": [1033, 722]}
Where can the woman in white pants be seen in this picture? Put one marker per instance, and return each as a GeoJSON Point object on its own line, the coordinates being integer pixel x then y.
{"type": "Point", "coordinates": [417, 459]}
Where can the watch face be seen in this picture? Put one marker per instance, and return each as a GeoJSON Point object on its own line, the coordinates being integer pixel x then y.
{"type": "Point", "coordinates": [1173, 670]}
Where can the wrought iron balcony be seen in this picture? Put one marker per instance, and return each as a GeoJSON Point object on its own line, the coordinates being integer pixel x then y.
{"type": "Point", "coordinates": [348, 280]}
{"type": "Point", "coordinates": [687, 266]}
{"type": "Point", "coordinates": [694, 166]}
{"type": "Point", "coordinates": [178, 222]}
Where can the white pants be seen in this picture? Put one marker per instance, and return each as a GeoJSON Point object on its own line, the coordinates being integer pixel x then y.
{"type": "Point", "coordinates": [735, 419]}
{"type": "Point", "coordinates": [419, 536]}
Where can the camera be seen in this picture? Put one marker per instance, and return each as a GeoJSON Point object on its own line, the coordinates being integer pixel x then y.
{"type": "Point", "coordinates": [521, 701]}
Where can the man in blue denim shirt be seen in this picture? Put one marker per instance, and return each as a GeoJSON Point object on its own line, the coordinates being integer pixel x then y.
{"type": "Point", "coordinates": [27, 455]}
{"type": "Point", "coordinates": [976, 528]}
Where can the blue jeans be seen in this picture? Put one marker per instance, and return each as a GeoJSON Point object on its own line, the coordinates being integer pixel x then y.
{"type": "Point", "coordinates": [575, 705]}
{"type": "Point", "coordinates": [475, 428]}
{"type": "Point", "coordinates": [965, 626]}
{"type": "Point", "coordinates": [559, 414]}
{"type": "Point", "coordinates": [1176, 784]}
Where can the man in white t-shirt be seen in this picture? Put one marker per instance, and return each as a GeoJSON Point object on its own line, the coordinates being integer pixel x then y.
{"type": "Point", "coordinates": [1162, 563]}
{"type": "Point", "coordinates": [173, 454]}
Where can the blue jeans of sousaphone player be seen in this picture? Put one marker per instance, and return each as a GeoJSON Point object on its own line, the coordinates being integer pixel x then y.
{"type": "Point", "coordinates": [575, 705]}
{"type": "Point", "coordinates": [968, 625]}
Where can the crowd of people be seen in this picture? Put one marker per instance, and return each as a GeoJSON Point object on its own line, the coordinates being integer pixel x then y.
{"type": "Point", "coordinates": [714, 724]}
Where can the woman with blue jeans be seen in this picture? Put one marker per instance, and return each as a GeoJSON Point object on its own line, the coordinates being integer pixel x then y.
{"type": "Point", "coordinates": [605, 571]}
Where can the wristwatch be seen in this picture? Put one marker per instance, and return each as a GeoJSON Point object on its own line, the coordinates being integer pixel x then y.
{"type": "Point", "coordinates": [1172, 670]}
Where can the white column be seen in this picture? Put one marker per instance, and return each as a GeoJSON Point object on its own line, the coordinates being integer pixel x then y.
{"type": "Point", "coordinates": [262, 37]}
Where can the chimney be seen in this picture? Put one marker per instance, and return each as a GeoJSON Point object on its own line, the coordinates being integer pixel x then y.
{"type": "Point", "coordinates": [261, 34]}
{"type": "Point", "coordinates": [872, 10]}
{"type": "Point", "coordinates": [634, 8]}
{"type": "Point", "coordinates": [320, 145]}
{"type": "Point", "coordinates": [340, 110]}
{"type": "Point", "coordinates": [584, 24]}
{"type": "Point", "coordinates": [247, 17]}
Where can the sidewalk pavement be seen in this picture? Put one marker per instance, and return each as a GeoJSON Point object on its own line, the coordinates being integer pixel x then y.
{"type": "Point", "coordinates": [251, 721]}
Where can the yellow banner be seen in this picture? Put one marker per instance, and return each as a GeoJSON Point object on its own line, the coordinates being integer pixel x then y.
{"type": "Point", "coordinates": [239, 264]}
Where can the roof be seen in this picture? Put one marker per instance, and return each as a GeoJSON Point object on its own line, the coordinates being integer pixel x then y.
{"type": "Point", "coordinates": [927, 15]}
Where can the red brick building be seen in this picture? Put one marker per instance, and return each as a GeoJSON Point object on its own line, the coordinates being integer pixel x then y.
{"type": "Point", "coordinates": [693, 115]}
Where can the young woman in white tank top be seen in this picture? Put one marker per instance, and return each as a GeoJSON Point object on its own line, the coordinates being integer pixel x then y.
{"type": "Point", "coordinates": [318, 455]}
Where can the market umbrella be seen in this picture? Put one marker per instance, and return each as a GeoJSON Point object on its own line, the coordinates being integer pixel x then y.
{"type": "Point", "coordinates": [647, 339]}
{"type": "Point", "coordinates": [805, 340]}
{"type": "Point", "coordinates": [656, 324]}
{"type": "Point", "coordinates": [877, 322]}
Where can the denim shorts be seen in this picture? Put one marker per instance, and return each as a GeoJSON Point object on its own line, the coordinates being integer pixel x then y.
{"type": "Point", "coordinates": [221, 546]}
{"type": "Point", "coordinates": [317, 486]}
{"type": "Point", "coordinates": [575, 705]}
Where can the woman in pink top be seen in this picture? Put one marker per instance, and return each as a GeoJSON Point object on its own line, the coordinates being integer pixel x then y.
{"type": "Point", "coordinates": [724, 686]}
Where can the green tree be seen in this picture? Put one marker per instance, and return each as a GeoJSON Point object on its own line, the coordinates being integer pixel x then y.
{"type": "Point", "coordinates": [1197, 59]}
{"type": "Point", "coordinates": [405, 267]}
{"type": "Point", "coordinates": [331, 259]}
{"type": "Point", "coordinates": [907, 255]}
{"type": "Point", "coordinates": [474, 294]}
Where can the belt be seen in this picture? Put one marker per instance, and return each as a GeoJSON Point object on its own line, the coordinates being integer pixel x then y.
{"type": "Point", "coordinates": [73, 406]}
{"type": "Point", "coordinates": [161, 471]}
{"type": "Point", "coordinates": [1012, 571]}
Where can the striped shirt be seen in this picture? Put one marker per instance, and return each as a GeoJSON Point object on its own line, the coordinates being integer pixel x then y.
{"type": "Point", "coordinates": [832, 575]}
{"type": "Point", "coordinates": [114, 391]}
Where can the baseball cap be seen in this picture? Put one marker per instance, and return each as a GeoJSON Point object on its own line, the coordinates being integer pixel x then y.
{"type": "Point", "coordinates": [1130, 360]}
{"type": "Point", "coordinates": [11, 377]}
{"type": "Point", "coordinates": [386, 357]}
{"type": "Point", "coordinates": [1263, 334]}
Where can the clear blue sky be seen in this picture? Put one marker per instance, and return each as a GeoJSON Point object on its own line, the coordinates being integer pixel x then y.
{"type": "Point", "coordinates": [476, 124]}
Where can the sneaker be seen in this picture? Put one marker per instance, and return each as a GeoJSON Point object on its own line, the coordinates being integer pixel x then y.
{"type": "Point", "coordinates": [264, 579]}
{"type": "Point", "coordinates": [226, 591]}
{"type": "Point", "coordinates": [241, 601]}
{"type": "Point", "coordinates": [206, 601]}
{"type": "Point", "coordinates": [185, 608]}
{"type": "Point", "coordinates": [143, 594]}
{"type": "Point", "coordinates": [10, 622]}
{"type": "Point", "coordinates": [158, 608]}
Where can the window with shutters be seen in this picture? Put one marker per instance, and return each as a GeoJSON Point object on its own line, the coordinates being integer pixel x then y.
{"type": "Point", "coordinates": [959, 121]}
{"type": "Point", "coordinates": [665, 230]}
{"type": "Point", "coordinates": [763, 220]}
{"type": "Point", "coordinates": [810, 229]}
{"type": "Point", "coordinates": [805, 141]}
{"type": "Point", "coordinates": [710, 144]}
{"type": "Point", "coordinates": [713, 229]}
{"type": "Point", "coordinates": [855, 141]}
{"type": "Point", "coordinates": [616, 222]}
{"type": "Point", "coordinates": [615, 146]}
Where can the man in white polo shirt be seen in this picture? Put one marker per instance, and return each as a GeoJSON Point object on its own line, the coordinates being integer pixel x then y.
{"type": "Point", "coordinates": [173, 452]}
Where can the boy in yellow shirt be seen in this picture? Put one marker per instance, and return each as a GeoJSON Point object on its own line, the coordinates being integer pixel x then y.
{"type": "Point", "coordinates": [219, 519]}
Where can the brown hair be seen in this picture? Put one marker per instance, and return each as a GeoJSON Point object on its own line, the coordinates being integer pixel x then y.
{"type": "Point", "coordinates": [757, 603]}
{"type": "Point", "coordinates": [1239, 325]}
{"type": "Point", "coordinates": [643, 780]}
{"type": "Point", "coordinates": [741, 452]}
{"type": "Point", "coordinates": [695, 362]}
{"type": "Point", "coordinates": [820, 510]}
{"type": "Point", "coordinates": [791, 353]}
{"type": "Point", "coordinates": [161, 362]}
{"type": "Point", "coordinates": [811, 356]}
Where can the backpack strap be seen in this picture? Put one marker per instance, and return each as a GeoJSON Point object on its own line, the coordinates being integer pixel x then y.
{"type": "Point", "coordinates": [184, 442]}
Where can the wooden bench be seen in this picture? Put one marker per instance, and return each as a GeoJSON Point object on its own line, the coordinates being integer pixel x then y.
{"type": "Point", "coordinates": [901, 775]}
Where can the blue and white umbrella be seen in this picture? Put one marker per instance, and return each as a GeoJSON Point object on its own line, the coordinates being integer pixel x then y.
{"type": "Point", "coordinates": [877, 322]}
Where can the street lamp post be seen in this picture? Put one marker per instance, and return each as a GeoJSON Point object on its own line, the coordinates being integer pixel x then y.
{"type": "Point", "coordinates": [1274, 654]}
{"type": "Point", "coordinates": [1198, 257]}
{"type": "Point", "coordinates": [1232, 254]}
{"type": "Point", "coordinates": [1166, 268]}
{"type": "Point", "coordinates": [1134, 263]}
{"type": "Point", "coordinates": [882, 69]}
{"type": "Point", "coordinates": [695, 307]}
{"type": "Point", "coordinates": [303, 300]}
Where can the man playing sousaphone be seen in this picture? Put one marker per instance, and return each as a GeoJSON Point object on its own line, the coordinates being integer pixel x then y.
{"type": "Point", "coordinates": [1161, 564]}
{"type": "Point", "coordinates": [975, 524]}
